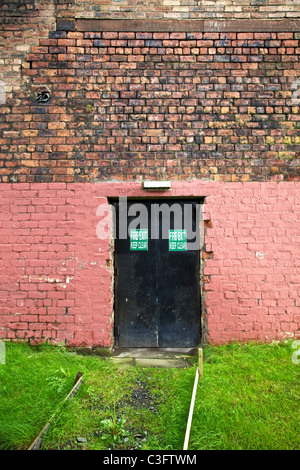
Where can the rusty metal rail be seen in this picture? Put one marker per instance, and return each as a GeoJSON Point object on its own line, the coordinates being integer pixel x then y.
{"type": "Point", "coordinates": [36, 444]}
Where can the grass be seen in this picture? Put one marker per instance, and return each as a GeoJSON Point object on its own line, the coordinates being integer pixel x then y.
{"type": "Point", "coordinates": [247, 399]}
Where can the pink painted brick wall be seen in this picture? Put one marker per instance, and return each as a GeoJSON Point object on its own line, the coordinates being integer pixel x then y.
{"type": "Point", "coordinates": [55, 283]}
{"type": "Point", "coordinates": [55, 274]}
{"type": "Point", "coordinates": [253, 293]}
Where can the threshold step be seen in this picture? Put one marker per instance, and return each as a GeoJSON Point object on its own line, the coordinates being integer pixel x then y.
{"type": "Point", "coordinates": [155, 357]}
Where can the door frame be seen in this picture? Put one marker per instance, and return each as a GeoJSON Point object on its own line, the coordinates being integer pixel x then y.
{"type": "Point", "coordinates": [112, 201]}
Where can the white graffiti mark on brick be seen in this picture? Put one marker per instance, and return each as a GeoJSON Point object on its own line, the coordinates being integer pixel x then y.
{"type": "Point", "coordinates": [296, 92]}
{"type": "Point", "coordinates": [2, 92]}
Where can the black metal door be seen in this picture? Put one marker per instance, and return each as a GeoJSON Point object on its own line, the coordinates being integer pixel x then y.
{"type": "Point", "coordinates": [157, 292]}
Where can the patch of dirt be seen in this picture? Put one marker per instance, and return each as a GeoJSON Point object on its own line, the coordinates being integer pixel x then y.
{"type": "Point", "coordinates": [141, 397]}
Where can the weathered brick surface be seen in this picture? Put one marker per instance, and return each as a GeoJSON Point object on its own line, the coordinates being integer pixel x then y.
{"type": "Point", "coordinates": [56, 280]}
{"type": "Point", "coordinates": [22, 25]}
{"type": "Point", "coordinates": [188, 9]}
{"type": "Point", "coordinates": [133, 105]}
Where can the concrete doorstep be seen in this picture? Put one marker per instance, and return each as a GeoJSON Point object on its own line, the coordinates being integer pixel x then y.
{"type": "Point", "coordinates": [155, 357]}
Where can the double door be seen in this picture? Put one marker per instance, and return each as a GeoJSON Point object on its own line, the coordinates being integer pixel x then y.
{"type": "Point", "coordinates": [157, 292]}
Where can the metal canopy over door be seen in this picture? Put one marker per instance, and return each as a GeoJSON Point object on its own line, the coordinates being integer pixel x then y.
{"type": "Point", "coordinates": [157, 292]}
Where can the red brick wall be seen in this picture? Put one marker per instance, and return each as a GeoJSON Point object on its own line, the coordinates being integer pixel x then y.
{"type": "Point", "coordinates": [176, 105]}
{"type": "Point", "coordinates": [55, 272]}
{"type": "Point", "coordinates": [22, 25]}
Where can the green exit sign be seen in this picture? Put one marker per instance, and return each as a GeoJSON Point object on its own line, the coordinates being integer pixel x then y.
{"type": "Point", "coordinates": [177, 240]}
{"type": "Point", "coordinates": [139, 240]}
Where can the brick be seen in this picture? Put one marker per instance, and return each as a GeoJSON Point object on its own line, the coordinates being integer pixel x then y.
{"type": "Point", "coordinates": [65, 25]}
{"type": "Point", "coordinates": [183, 99]}
{"type": "Point", "coordinates": [57, 34]}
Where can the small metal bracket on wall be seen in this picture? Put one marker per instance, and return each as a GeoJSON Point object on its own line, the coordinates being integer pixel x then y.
{"type": "Point", "coordinates": [156, 185]}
